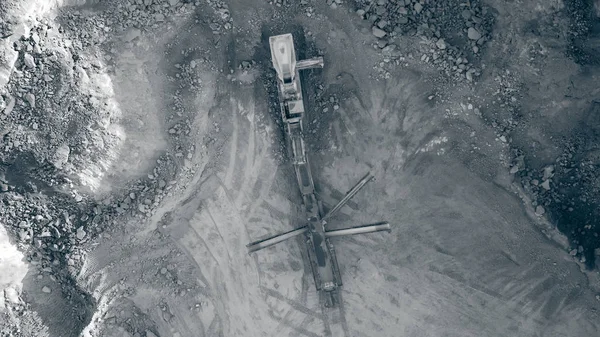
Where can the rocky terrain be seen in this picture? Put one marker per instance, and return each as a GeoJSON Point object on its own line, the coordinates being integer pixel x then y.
{"type": "Point", "coordinates": [141, 150]}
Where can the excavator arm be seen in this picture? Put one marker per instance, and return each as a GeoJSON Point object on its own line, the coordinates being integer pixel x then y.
{"type": "Point", "coordinates": [316, 62]}
{"type": "Point", "coordinates": [368, 177]}
{"type": "Point", "coordinates": [378, 227]}
{"type": "Point", "coordinates": [275, 239]}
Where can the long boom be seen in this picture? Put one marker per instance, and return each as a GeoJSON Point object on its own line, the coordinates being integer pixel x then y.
{"type": "Point", "coordinates": [275, 239]}
{"type": "Point", "coordinates": [379, 227]}
{"type": "Point", "coordinates": [368, 177]}
{"type": "Point", "coordinates": [316, 62]}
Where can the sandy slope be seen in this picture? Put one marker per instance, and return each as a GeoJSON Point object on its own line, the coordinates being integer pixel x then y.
{"type": "Point", "coordinates": [464, 259]}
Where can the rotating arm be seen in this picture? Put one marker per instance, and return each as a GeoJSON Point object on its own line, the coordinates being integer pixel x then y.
{"type": "Point", "coordinates": [379, 227]}
{"type": "Point", "coordinates": [368, 177]}
{"type": "Point", "coordinates": [316, 62]}
{"type": "Point", "coordinates": [264, 243]}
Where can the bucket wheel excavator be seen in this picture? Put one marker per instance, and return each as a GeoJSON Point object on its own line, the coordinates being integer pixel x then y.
{"type": "Point", "coordinates": [317, 237]}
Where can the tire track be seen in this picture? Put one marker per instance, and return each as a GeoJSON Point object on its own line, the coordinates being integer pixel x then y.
{"type": "Point", "coordinates": [288, 322]}
{"type": "Point", "coordinates": [224, 242]}
{"type": "Point", "coordinates": [232, 238]}
{"type": "Point", "coordinates": [333, 319]}
{"type": "Point", "coordinates": [252, 159]}
{"type": "Point", "coordinates": [218, 226]}
{"type": "Point", "coordinates": [233, 151]}
{"type": "Point", "coordinates": [265, 188]}
{"type": "Point", "coordinates": [336, 319]}
{"type": "Point", "coordinates": [196, 255]}
{"type": "Point", "coordinates": [225, 210]}
{"type": "Point", "coordinates": [342, 313]}
{"type": "Point", "coordinates": [326, 320]}
{"type": "Point", "coordinates": [219, 232]}
{"type": "Point", "coordinates": [294, 304]}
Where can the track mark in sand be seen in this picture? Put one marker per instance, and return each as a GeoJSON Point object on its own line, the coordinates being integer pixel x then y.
{"type": "Point", "coordinates": [252, 160]}
{"type": "Point", "coordinates": [485, 292]}
{"type": "Point", "coordinates": [307, 319]}
{"type": "Point", "coordinates": [265, 188]}
{"type": "Point", "coordinates": [336, 318]}
{"type": "Point", "coordinates": [326, 323]}
{"type": "Point", "coordinates": [296, 308]}
{"type": "Point", "coordinates": [342, 313]}
{"type": "Point", "coordinates": [220, 227]}
{"type": "Point", "coordinates": [218, 231]}
{"type": "Point", "coordinates": [294, 304]}
{"type": "Point", "coordinates": [191, 247]}
{"type": "Point", "coordinates": [216, 327]}
{"type": "Point", "coordinates": [338, 135]}
{"type": "Point", "coordinates": [302, 331]}
{"type": "Point", "coordinates": [218, 247]}
{"type": "Point", "coordinates": [441, 250]}
{"type": "Point", "coordinates": [225, 209]}
{"type": "Point", "coordinates": [276, 213]}
{"type": "Point", "coordinates": [233, 151]}
{"type": "Point", "coordinates": [510, 257]}
{"type": "Point", "coordinates": [254, 154]}
{"type": "Point", "coordinates": [298, 327]}
{"type": "Point", "coordinates": [205, 288]}
{"type": "Point", "coordinates": [303, 297]}
{"type": "Point", "coordinates": [347, 122]}
{"type": "Point", "coordinates": [195, 189]}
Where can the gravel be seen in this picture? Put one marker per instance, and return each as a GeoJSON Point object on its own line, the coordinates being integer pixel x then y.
{"type": "Point", "coordinates": [473, 34]}
{"type": "Point", "coordinates": [441, 44]}
{"type": "Point", "coordinates": [378, 32]}
{"type": "Point", "coordinates": [420, 30]}
{"type": "Point", "coordinates": [539, 210]}
{"type": "Point", "coordinates": [56, 116]}
{"type": "Point", "coordinates": [29, 61]}
{"type": "Point", "coordinates": [418, 8]}
{"type": "Point", "coordinates": [80, 233]}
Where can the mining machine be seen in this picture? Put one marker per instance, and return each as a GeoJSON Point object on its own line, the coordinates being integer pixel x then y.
{"type": "Point", "coordinates": [317, 237]}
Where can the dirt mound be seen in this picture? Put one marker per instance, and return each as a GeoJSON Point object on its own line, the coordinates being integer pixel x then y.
{"type": "Point", "coordinates": [451, 37]}
{"type": "Point", "coordinates": [64, 134]}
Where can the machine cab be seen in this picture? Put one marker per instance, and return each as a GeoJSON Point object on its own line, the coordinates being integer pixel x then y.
{"type": "Point", "coordinates": [283, 55]}
{"type": "Point", "coordinates": [293, 109]}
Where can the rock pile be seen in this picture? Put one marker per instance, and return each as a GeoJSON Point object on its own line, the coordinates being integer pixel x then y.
{"type": "Point", "coordinates": [435, 23]}
{"type": "Point", "coordinates": [566, 192]}
{"type": "Point", "coordinates": [55, 117]}
{"type": "Point", "coordinates": [17, 319]}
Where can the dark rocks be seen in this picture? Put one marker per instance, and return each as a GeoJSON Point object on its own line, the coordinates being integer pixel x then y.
{"type": "Point", "coordinates": [473, 34]}
{"type": "Point", "coordinates": [466, 14]}
{"type": "Point", "coordinates": [29, 61]}
{"type": "Point", "coordinates": [441, 44]}
{"type": "Point", "coordinates": [10, 104]}
{"type": "Point", "coordinates": [80, 233]}
{"type": "Point", "coordinates": [382, 23]}
{"type": "Point", "coordinates": [418, 8]}
{"type": "Point", "coordinates": [539, 210]}
{"type": "Point", "coordinates": [378, 32]}
{"type": "Point", "coordinates": [30, 98]}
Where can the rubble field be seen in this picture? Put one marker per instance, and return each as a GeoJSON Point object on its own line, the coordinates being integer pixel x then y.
{"type": "Point", "coordinates": [142, 148]}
